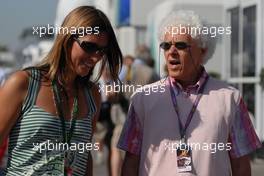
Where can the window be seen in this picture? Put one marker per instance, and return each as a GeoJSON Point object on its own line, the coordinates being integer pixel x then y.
{"type": "Point", "coordinates": [234, 42]}
{"type": "Point", "coordinates": [243, 42]}
{"type": "Point", "coordinates": [243, 52]}
{"type": "Point", "coordinates": [249, 41]}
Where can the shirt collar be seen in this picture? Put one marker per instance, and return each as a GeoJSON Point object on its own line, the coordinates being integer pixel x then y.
{"type": "Point", "coordinates": [195, 87]}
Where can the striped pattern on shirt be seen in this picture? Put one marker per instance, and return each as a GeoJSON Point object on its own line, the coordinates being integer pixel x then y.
{"type": "Point", "coordinates": [35, 146]}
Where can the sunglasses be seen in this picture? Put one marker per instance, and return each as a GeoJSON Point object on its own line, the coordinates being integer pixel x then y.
{"type": "Point", "coordinates": [179, 45]}
{"type": "Point", "coordinates": [91, 48]}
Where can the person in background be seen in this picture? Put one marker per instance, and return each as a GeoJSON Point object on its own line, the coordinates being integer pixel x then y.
{"type": "Point", "coordinates": [55, 105]}
{"type": "Point", "coordinates": [192, 124]}
{"type": "Point", "coordinates": [118, 114]}
{"type": "Point", "coordinates": [142, 72]}
{"type": "Point", "coordinates": [137, 73]}
{"type": "Point", "coordinates": [125, 73]}
{"type": "Point", "coordinates": [143, 54]}
{"type": "Point", "coordinates": [105, 120]}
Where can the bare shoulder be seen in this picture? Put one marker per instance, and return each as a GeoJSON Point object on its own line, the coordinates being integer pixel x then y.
{"type": "Point", "coordinates": [17, 84]}
{"type": "Point", "coordinates": [21, 75]}
{"type": "Point", "coordinates": [12, 95]}
{"type": "Point", "coordinates": [18, 79]}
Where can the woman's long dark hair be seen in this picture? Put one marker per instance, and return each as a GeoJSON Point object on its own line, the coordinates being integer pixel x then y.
{"type": "Point", "coordinates": [57, 62]}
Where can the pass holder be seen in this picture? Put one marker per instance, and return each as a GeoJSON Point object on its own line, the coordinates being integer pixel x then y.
{"type": "Point", "coordinates": [58, 165]}
{"type": "Point", "coordinates": [68, 160]}
{"type": "Point", "coordinates": [61, 166]}
{"type": "Point", "coordinates": [184, 157]}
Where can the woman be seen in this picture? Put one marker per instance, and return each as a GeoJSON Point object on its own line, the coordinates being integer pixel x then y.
{"type": "Point", "coordinates": [55, 104]}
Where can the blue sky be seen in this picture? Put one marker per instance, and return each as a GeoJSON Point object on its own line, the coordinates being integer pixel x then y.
{"type": "Point", "coordinates": [16, 15]}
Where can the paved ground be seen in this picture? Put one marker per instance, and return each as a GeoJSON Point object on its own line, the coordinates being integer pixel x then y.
{"type": "Point", "coordinates": [257, 167]}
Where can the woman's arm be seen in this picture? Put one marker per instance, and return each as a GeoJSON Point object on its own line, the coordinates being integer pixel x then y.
{"type": "Point", "coordinates": [12, 95]}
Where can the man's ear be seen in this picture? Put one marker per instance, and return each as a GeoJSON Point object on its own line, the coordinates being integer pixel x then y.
{"type": "Point", "coordinates": [204, 51]}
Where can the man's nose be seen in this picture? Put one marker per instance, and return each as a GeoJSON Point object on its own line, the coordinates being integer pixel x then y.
{"type": "Point", "coordinates": [173, 49]}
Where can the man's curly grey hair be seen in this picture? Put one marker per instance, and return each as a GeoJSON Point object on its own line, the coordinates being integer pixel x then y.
{"type": "Point", "coordinates": [191, 20]}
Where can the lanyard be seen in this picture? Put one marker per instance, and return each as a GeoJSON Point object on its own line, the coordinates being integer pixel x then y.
{"type": "Point", "coordinates": [59, 107]}
{"type": "Point", "coordinates": [183, 128]}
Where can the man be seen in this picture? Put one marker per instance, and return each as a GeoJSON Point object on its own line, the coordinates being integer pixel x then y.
{"type": "Point", "coordinates": [197, 125]}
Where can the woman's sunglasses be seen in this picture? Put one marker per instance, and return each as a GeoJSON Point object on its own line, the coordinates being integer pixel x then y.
{"type": "Point", "coordinates": [91, 48]}
{"type": "Point", "coordinates": [179, 45]}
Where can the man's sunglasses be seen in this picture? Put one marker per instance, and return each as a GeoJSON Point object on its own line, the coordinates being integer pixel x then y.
{"type": "Point", "coordinates": [179, 45]}
{"type": "Point", "coordinates": [90, 47]}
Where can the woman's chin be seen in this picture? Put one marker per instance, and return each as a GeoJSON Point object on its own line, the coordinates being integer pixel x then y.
{"type": "Point", "coordinates": [83, 73]}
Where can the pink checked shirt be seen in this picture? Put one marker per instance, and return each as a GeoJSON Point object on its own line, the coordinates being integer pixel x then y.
{"type": "Point", "coordinates": [220, 125]}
